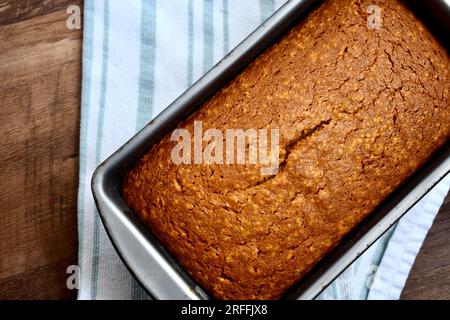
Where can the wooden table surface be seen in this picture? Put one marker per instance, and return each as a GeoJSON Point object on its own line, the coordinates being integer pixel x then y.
{"type": "Point", "coordinates": [40, 84]}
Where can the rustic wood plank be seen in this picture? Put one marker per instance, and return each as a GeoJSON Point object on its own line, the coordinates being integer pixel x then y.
{"type": "Point", "coordinates": [46, 282]}
{"type": "Point", "coordinates": [430, 275]}
{"type": "Point", "coordinates": [13, 11]}
{"type": "Point", "coordinates": [40, 74]}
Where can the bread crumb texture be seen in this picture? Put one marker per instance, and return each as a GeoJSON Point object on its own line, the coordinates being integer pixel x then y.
{"type": "Point", "coordinates": [359, 110]}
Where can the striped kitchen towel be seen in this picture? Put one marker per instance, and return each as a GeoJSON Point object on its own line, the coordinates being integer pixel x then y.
{"type": "Point", "coordinates": [138, 56]}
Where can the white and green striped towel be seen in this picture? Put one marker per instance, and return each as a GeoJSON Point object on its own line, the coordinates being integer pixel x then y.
{"type": "Point", "coordinates": [138, 56]}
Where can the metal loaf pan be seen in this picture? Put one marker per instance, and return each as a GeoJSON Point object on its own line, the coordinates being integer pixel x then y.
{"type": "Point", "coordinates": [157, 271]}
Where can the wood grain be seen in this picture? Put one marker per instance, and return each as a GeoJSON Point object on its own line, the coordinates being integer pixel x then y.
{"type": "Point", "coordinates": [40, 75]}
{"type": "Point", "coordinates": [13, 11]}
{"type": "Point", "coordinates": [430, 275]}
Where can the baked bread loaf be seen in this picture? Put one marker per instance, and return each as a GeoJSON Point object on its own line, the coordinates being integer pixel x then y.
{"type": "Point", "coordinates": [358, 110]}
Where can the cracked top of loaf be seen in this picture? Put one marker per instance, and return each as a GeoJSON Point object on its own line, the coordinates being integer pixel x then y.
{"type": "Point", "coordinates": [358, 109]}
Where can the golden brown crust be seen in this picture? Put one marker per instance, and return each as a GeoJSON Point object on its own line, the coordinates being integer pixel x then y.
{"type": "Point", "coordinates": [358, 110]}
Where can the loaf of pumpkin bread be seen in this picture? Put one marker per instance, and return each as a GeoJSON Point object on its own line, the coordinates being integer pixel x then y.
{"type": "Point", "coordinates": [359, 108]}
